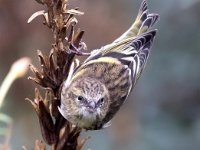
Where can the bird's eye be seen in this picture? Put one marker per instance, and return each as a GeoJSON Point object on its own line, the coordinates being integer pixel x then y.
{"type": "Point", "coordinates": [101, 100]}
{"type": "Point", "coordinates": [80, 98]}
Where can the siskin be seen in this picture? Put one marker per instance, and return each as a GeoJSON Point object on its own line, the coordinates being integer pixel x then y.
{"type": "Point", "coordinates": [96, 89]}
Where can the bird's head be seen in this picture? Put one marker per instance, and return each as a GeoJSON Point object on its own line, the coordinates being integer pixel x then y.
{"type": "Point", "coordinates": [86, 99]}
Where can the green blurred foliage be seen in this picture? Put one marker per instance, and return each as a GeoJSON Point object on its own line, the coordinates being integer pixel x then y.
{"type": "Point", "coordinates": [163, 111]}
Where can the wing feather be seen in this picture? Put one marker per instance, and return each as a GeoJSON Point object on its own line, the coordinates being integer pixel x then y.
{"type": "Point", "coordinates": [132, 52]}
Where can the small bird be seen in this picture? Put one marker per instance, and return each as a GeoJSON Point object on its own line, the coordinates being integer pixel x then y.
{"type": "Point", "coordinates": [96, 89]}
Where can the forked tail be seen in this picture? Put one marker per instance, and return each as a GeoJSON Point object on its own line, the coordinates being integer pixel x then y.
{"type": "Point", "coordinates": [142, 24]}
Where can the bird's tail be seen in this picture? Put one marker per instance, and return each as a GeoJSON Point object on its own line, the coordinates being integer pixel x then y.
{"type": "Point", "coordinates": [142, 24]}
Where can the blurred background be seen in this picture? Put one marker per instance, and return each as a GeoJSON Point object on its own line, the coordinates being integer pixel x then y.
{"type": "Point", "coordinates": [162, 113]}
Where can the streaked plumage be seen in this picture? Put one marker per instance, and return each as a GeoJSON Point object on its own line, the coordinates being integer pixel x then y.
{"type": "Point", "coordinates": [109, 73]}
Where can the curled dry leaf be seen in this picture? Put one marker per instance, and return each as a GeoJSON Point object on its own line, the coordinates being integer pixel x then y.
{"type": "Point", "coordinates": [73, 12]}
{"type": "Point", "coordinates": [39, 145]}
{"type": "Point", "coordinates": [41, 106]}
{"type": "Point", "coordinates": [81, 142]}
{"type": "Point", "coordinates": [39, 13]}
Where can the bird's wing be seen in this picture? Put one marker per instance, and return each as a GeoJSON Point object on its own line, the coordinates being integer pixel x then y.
{"type": "Point", "coordinates": [131, 48]}
{"type": "Point", "coordinates": [132, 52]}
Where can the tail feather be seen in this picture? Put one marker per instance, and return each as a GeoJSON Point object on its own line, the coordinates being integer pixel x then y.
{"type": "Point", "coordinates": [148, 23]}
{"type": "Point", "coordinates": [143, 7]}
{"type": "Point", "coordinates": [142, 44]}
{"type": "Point", "coordinates": [142, 24]}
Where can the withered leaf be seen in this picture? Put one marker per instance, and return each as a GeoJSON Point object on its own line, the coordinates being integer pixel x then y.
{"type": "Point", "coordinates": [39, 13]}
{"type": "Point", "coordinates": [74, 12]}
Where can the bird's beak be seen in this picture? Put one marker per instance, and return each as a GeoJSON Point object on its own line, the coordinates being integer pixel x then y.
{"type": "Point", "coordinates": [92, 105]}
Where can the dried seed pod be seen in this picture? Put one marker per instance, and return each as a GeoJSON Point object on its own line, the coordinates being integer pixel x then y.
{"type": "Point", "coordinates": [54, 69]}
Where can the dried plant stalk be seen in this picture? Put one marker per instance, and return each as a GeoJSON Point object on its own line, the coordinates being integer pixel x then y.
{"type": "Point", "coordinates": [56, 131]}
